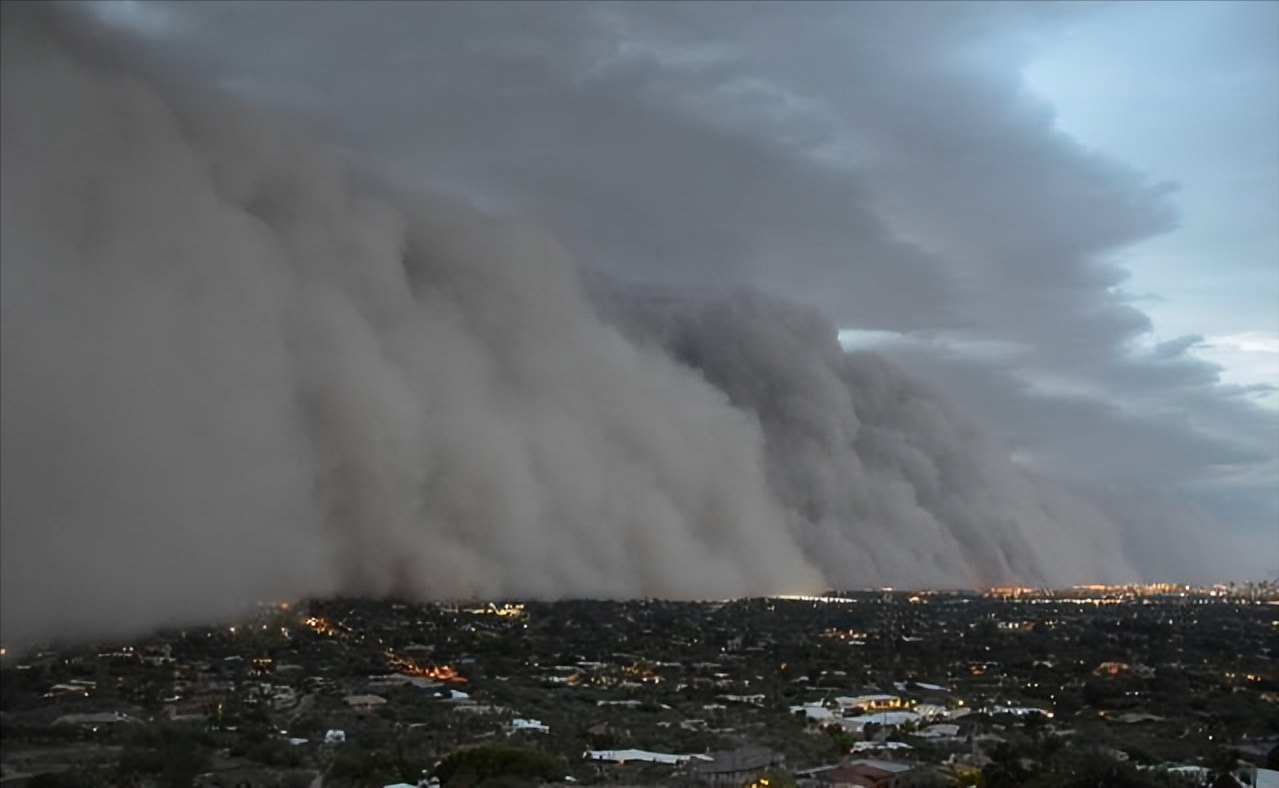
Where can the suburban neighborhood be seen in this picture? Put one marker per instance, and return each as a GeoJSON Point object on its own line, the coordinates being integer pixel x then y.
{"type": "Point", "coordinates": [1141, 686]}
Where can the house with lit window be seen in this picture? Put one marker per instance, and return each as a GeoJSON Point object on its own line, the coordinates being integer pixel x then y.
{"type": "Point", "coordinates": [869, 703]}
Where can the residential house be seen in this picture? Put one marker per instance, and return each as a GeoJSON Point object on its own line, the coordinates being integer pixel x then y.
{"type": "Point", "coordinates": [519, 724]}
{"type": "Point", "coordinates": [641, 756]}
{"type": "Point", "coordinates": [365, 703]}
{"type": "Point", "coordinates": [858, 774]}
{"type": "Point", "coordinates": [813, 712]}
{"type": "Point", "coordinates": [931, 710]}
{"type": "Point", "coordinates": [196, 707]}
{"type": "Point", "coordinates": [94, 720]}
{"type": "Point", "coordinates": [887, 719]}
{"type": "Point", "coordinates": [869, 703]}
{"type": "Point", "coordinates": [735, 767]}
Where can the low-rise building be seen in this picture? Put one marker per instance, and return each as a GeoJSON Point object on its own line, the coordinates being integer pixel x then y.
{"type": "Point", "coordinates": [95, 720]}
{"type": "Point", "coordinates": [868, 703]}
{"type": "Point", "coordinates": [365, 703]}
{"type": "Point", "coordinates": [520, 724]}
{"type": "Point", "coordinates": [734, 767]}
{"type": "Point", "coordinates": [640, 756]}
{"type": "Point", "coordinates": [887, 719]}
{"type": "Point", "coordinates": [813, 712]}
{"type": "Point", "coordinates": [856, 774]}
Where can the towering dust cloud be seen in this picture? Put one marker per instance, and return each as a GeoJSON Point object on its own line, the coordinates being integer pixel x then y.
{"type": "Point", "coordinates": [887, 484]}
{"type": "Point", "coordinates": [230, 375]}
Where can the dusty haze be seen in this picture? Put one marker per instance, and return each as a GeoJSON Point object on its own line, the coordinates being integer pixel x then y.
{"type": "Point", "coordinates": [231, 375]}
{"type": "Point", "coordinates": [888, 484]}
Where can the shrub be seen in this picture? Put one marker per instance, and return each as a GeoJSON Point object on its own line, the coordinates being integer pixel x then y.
{"type": "Point", "coordinates": [485, 765]}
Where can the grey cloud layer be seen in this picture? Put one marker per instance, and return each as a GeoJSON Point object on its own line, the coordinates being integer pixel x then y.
{"type": "Point", "coordinates": [882, 161]}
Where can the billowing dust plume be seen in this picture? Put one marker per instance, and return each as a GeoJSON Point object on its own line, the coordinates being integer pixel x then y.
{"type": "Point", "coordinates": [230, 374]}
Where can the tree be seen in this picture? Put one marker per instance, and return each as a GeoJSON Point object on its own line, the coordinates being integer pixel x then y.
{"type": "Point", "coordinates": [175, 754]}
{"type": "Point", "coordinates": [477, 765]}
{"type": "Point", "coordinates": [1221, 764]}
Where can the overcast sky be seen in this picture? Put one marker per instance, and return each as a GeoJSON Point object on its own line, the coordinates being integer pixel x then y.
{"type": "Point", "coordinates": [1063, 216]}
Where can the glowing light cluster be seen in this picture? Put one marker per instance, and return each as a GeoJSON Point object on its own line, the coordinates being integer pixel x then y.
{"type": "Point", "coordinates": [408, 667]}
{"type": "Point", "coordinates": [506, 610]}
{"type": "Point", "coordinates": [322, 626]}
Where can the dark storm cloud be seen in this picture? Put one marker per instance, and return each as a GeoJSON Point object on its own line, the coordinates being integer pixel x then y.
{"type": "Point", "coordinates": [792, 147]}
{"type": "Point", "coordinates": [812, 149]}
{"type": "Point", "coordinates": [881, 160]}
{"type": "Point", "coordinates": [552, 111]}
